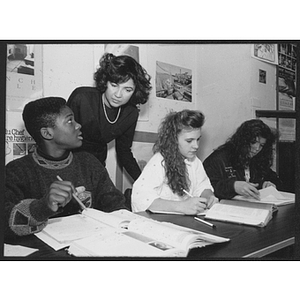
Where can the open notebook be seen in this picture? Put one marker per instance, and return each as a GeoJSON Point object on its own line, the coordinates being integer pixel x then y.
{"type": "Point", "coordinates": [242, 212]}
{"type": "Point", "coordinates": [271, 195]}
{"type": "Point", "coordinates": [122, 233]}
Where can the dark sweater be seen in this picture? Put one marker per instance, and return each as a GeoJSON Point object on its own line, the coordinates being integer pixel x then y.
{"type": "Point", "coordinates": [29, 178]}
{"type": "Point", "coordinates": [86, 103]}
{"type": "Point", "coordinates": [223, 175]}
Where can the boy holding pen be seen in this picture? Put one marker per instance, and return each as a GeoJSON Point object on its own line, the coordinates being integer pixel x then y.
{"type": "Point", "coordinates": [53, 181]}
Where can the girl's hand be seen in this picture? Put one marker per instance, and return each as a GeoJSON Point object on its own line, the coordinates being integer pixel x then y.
{"type": "Point", "coordinates": [247, 189]}
{"type": "Point", "coordinates": [193, 205]}
{"type": "Point", "coordinates": [268, 183]}
{"type": "Point", "coordinates": [211, 201]}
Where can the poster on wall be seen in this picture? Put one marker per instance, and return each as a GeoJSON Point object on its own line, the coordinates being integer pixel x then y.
{"type": "Point", "coordinates": [286, 101]}
{"type": "Point", "coordinates": [173, 82]}
{"type": "Point", "coordinates": [18, 142]}
{"type": "Point", "coordinates": [287, 64]}
{"type": "Point", "coordinates": [23, 84]}
{"type": "Point", "coordinates": [134, 52]}
{"type": "Point", "coordinates": [265, 52]}
{"type": "Point", "coordinates": [23, 75]}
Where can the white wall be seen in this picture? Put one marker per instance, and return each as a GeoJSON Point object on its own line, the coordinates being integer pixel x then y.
{"type": "Point", "coordinates": [225, 84]}
{"type": "Point", "coordinates": [178, 55]}
{"type": "Point", "coordinates": [228, 90]}
{"type": "Point", "coordinates": [66, 67]}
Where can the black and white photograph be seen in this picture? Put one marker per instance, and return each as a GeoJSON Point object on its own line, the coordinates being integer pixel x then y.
{"type": "Point", "coordinates": [149, 150]}
{"type": "Point", "coordinates": [173, 82]}
{"type": "Point", "coordinates": [190, 176]}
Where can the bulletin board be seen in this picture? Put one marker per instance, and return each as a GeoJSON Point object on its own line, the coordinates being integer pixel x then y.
{"type": "Point", "coordinates": [23, 84]}
{"type": "Point", "coordinates": [287, 62]}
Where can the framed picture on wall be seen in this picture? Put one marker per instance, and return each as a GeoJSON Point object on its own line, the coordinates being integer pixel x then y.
{"type": "Point", "coordinates": [23, 75]}
{"type": "Point", "coordinates": [265, 52]}
{"type": "Point", "coordinates": [173, 82]}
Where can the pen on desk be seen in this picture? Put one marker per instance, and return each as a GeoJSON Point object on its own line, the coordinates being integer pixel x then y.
{"type": "Point", "coordinates": [74, 195]}
{"type": "Point", "coordinates": [204, 222]}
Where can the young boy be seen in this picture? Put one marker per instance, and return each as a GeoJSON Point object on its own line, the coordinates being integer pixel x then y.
{"type": "Point", "coordinates": [33, 192]}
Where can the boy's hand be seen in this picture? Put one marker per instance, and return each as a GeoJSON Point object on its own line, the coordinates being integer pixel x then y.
{"type": "Point", "coordinates": [60, 194]}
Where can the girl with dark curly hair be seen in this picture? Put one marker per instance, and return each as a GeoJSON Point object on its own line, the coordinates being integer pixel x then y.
{"type": "Point", "coordinates": [174, 179]}
{"type": "Point", "coordinates": [110, 111]}
{"type": "Point", "coordinates": [242, 165]}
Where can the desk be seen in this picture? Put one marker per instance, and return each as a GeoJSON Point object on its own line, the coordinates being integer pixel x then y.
{"type": "Point", "coordinates": [245, 241]}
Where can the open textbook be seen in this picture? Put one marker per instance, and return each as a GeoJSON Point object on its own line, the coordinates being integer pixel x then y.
{"type": "Point", "coordinates": [242, 212]}
{"type": "Point", "coordinates": [122, 233]}
{"type": "Point", "coordinates": [271, 195]}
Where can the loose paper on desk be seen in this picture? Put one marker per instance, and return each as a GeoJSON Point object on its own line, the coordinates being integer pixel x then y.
{"type": "Point", "coordinates": [271, 195]}
{"type": "Point", "coordinates": [123, 233]}
{"type": "Point", "coordinates": [17, 250]}
{"type": "Point", "coordinates": [60, 232]}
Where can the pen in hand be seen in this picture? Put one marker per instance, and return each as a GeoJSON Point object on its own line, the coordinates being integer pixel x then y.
{"type": "Point", "coordinates": [187, 193]}
{"type": "Point", "coordinates": [74, 195]}
{"type": "Point", "coordinates": [190, 195]}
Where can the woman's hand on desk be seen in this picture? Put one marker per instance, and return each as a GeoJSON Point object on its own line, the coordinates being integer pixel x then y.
{"type": "Point", "coordinates": [193, 205]}
{"type": "Point", "coordinates": [247, 189]}
{"type": "Point", "coordinates": [268, 183]}
{"type": "Point", "coordinates": [60, 194]}
{"type": "Point", "coordinates": [211, 201]}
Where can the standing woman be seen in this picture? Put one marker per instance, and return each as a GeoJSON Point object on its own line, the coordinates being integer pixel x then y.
{"type": "Point", "coordinates": [109, 111]}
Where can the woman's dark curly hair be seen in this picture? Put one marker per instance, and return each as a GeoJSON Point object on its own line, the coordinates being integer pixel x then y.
{"type": "Point", "coordinates": [238, 145]}
{"type": "Point", "coordinates": [119, 69]}
{"type": "Point", "coordinates": [167, 145]}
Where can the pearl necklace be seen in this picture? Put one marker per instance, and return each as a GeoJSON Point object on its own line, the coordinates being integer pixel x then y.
{"type": "Point", "coordinates": [108, 120]}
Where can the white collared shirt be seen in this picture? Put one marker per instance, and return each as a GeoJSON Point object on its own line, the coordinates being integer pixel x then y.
{"type": "Point", "coordinates": [152, 183]}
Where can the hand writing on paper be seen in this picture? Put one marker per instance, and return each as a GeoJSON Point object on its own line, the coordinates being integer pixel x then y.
{"type": "Point", "coordinates": [193, 205]}
{"type": "Point", "coordinates": [268, 183]}
{"type": "Point", "coordinates": [247, 189]}
{"type": "Point", "coordinates": [59, 195]}
{"type": "Point", "coordinates": [211, 201]}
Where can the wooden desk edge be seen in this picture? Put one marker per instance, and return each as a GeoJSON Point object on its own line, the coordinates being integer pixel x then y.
{"type": "Point", "coordinates": [271, 249]}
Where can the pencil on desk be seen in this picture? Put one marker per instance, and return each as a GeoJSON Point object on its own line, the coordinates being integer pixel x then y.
{"type": "Point", "coordinates": [204, 222]}
{"type": "Point", "coordinates": [74, 195]}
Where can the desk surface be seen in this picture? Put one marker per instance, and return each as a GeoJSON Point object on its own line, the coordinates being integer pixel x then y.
{"type": "Point", "coordinates": [245, 241]}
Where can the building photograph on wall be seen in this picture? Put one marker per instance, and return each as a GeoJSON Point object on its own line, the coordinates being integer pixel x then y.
{"type": "Point", "coordinates": [173, 82]}
{"type": "Point", "coordinates": [20, 59]}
